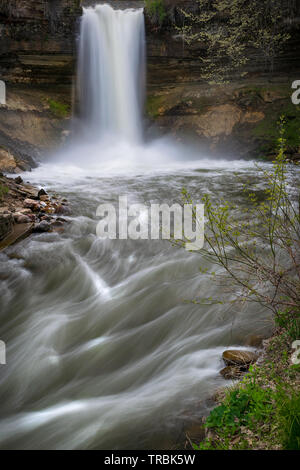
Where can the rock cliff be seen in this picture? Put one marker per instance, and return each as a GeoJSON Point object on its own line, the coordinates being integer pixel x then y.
{"type": "Point", "coordinates": [37, 62]}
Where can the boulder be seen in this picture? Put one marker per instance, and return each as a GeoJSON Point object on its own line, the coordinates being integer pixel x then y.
{"type": "Point", "coordinates": [31, 204]}
{"type": "Point", "coordinates": [41, 192]}
{"type": "Point", "coordinates": [18, 180]}
{"type": "Point", "coordinates": [42, 227]}
{"type": "Point", "coordinates": [238, 357]}
{"type": "Point", "coordinates": [232, 372]}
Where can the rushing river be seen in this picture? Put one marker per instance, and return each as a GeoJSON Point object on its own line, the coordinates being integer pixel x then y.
{"type": "Point", "coordinates": [105, 349]}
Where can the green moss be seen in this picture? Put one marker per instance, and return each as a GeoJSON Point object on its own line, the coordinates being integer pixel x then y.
{"type": "Point", "coordinates": [158, 105]}
{"type": "Point", "coordinates": [156, 8]}
{"type": "Point", "coordinates": [267, 129]}
{"type": "Point", "coordinates": [3, 191]}
{"type": "Point", "coordinates": [152, 105]}
{"type": "Point", "coordinates": [59, 109]}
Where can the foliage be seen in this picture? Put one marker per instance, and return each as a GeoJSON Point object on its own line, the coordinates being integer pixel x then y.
{"type": "Point", "coordinates": [226, 29]}
{"type": "Point", "coordinates": [259, 248]}
{"type": "Point", "coordinates": [60, 110]}
{"type": "Point", "coordinates": [156, 8]}
{"type": "Point", "coordinates": [250, 410]}
{"type": "Point", "coordinates": [267, 129]}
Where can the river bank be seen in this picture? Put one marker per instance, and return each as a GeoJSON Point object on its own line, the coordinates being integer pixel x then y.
{"type": "Point", "coordinates": [27, 209]}
{"type": "Point", "coordinates": [261, 411]}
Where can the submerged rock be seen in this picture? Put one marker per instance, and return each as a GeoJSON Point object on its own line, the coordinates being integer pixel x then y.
{"type": "Point", "coordinates": [238, 357]}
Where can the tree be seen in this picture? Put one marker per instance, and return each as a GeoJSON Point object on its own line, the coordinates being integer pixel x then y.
{"type": "Point", "coordinates": [259, 249]}
{"type": "Point", "coordinates": [226, 31]}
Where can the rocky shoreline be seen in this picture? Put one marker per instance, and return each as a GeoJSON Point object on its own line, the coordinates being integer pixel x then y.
{"type": "Point", "coordinates": [26, 209]}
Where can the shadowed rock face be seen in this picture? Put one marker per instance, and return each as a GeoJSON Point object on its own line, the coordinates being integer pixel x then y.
{"type": "Point", "coordinates": [38, 40]}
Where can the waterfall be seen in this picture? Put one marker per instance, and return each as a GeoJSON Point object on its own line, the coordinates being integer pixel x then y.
{"type": "Point", "coordinates": [111, 72]}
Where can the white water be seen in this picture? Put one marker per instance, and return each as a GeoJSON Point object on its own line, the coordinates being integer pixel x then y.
{"type": "Point", "coordinates": [111, 72]}
{"type": "Point", "coordinates": [103, 350]}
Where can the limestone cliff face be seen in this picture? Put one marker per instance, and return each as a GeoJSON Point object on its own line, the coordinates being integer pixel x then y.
{"type": "Point", "coordinates": [38, 40]}
{"type": "Point", "coordinates": [237, 118]}
{"type": "Point", "coordinates": [37, 56]}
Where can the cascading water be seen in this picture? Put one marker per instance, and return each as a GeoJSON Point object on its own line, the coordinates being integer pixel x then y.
{"type": "Point", "coordinates": [111, 71]}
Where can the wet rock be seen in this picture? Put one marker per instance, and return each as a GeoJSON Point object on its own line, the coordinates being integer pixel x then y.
{"type": "Point", "coordinates": [42, 227]}
{"type": "Point", "coordinates": [238, 357]}
{"type": "Point", "coordinates": [31, 192]}
{"type": "Point", "coordinates": [31, 204]}
{"type": "Point", "coordinates": [232, 372]}
{"type": "Point", "coordinates": [63, 209]}
{"type": "Point", "coordinates": [18, 180]}
{"type": "Point", "coordinates": [41, 192]}
{"type": "Point", "coordinates": [57, 223]}
{"type": "Point", "coordinates": [44, 198]}
{"type": "Point", "coordinates": [57, 226]}
{"type": "Point", "coordinates": [49, 209]}
{"type": "Point", "coordinates": [19, 232]}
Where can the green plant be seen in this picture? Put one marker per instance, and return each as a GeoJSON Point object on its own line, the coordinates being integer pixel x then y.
{"type": "Point", "coordinates": [59, 109]}
{"type": "Point", "coordinates": [267, 129]}
{"type": "Point", "coordinates": [156, 8]}
{"type": "Point", "coordinates": [254, 410]}
{"type": "Point", "coordinates": [259, 249]}
{"type": "Point", "coordinates": [290, 321]}
{"type": "Point", "coordinates": [3, 191]}
{"type": "Point", "coordinates": [289, 418]}
{"type": "Point", "coordinates": [226, 29]}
